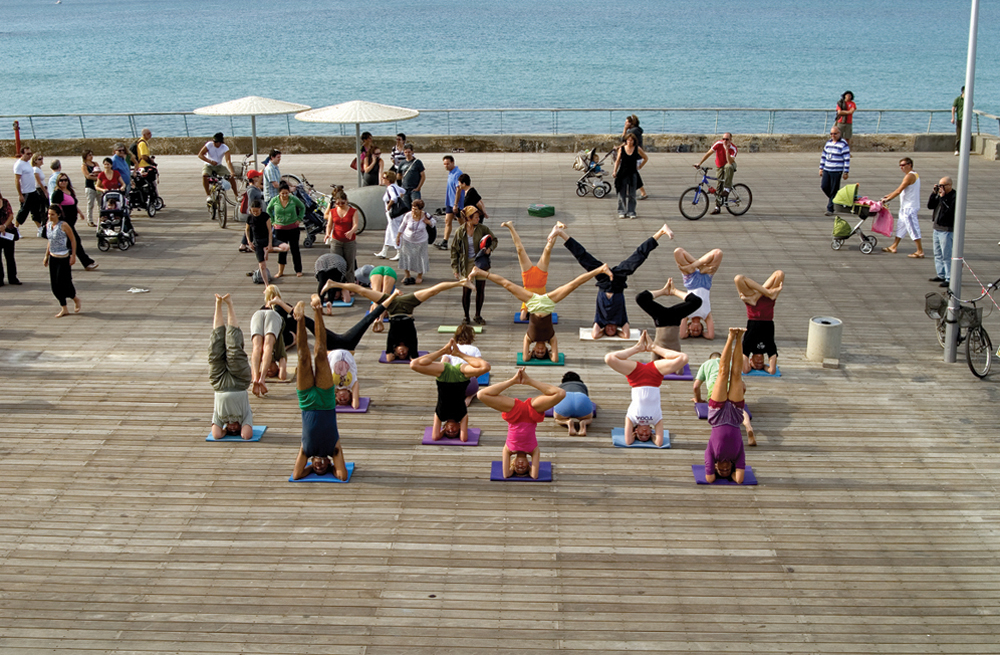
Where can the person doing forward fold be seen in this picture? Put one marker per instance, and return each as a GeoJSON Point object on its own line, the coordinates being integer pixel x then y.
{"type": "Point", "coordinates": [451, 415]}
{"type": "Point", "coordinates": [540, 340]}
{"type": "Point", "coordinates": [611, 319]}
{"type": "Point", "coordinates": [759, 339]}
{"type": "Point", "coordinates": [668, 319]}
{"type": "Point", "coordinates": [576, 410]}
{"type": "Point", "coordinates": [725, 457]}
{"type": "Point", "coordinates": [229, 372]}
{"type": "Point", "coordinates": [521, 455]}
{"type": "Point", "coordinates": [534, 277]}
{"type": "Point", "coordinates": [697, 278]}
{"type": "Point", "coordinates": [644, 417]}
{"type": "Point", "coordinates": [401, 340]}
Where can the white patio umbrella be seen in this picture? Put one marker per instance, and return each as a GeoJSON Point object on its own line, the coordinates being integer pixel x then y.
{"type": "Point", "coordinates": [357, 112]}
{"type": "Point", "coordinates": [252, 106]}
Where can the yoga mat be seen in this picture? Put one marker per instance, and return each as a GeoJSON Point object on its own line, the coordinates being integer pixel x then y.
{"type": "Point", "coordinates": [473, 438]}
{"type": "Point", "coordinates": [341, 303]}
{"type": "Point", "coordinates": [258, 432]}
{"type": "Point", "coordinates": [699, 476]}
{"type": "Point", "coordinates": [701, 410]}
{"type": "Point", "coordinates": [451, 328]}
{"type": "Point", "coordinates": [618, 439]}
{"type": "Point", "coordinates": [544, 474]}
{"type": "Point", "coordinates": [763, 373]}
{"type": "Point", "coordinates": [685, 374]}
{"type": "Point", "coordinates": [362, 407]}
{"type": "Point", "coordinates": [555, 318]}
{"type": "Point", "coordinates": [484, 379]}
{"type": "Point", "coordinates": [328, 477]}
{"type": "Point", "coordinates": [587, 334]}
{"type": "Point", "coordinates": [550, 412]}
{"type": "Point", "coordinates": [383, 360]}
{"type": "Point", "coordinates": [541, 362]}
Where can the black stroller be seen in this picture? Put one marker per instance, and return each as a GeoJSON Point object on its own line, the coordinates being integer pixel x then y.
{"type": "Point", "coordinates": [143, 194]}
{"type": "Point", "coordinates": [115, 225]}
{"type": "Point", "coordinates": [313, 221]}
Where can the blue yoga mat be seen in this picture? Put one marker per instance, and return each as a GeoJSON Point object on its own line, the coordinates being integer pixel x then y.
{"type": "Point", "coordinates": [699, 476]}
{"type": "Point", "coordinates": [555, 318]}
{"type": "Point", "coordinates": [258, 432]}
{"type": "Point", "coordinates": [544, 474]}
{"type": "Point", "coordinates": [328, 477]}
{"type": "Point", "coordinates": [341, 303]}
{"type": "Point", "coordinates": [618, 439]}
{"type": "Point", "coordinates": [764, 374]}
{"type": "Point", "coordinates": [484, 379]}
{"type": "Point", "coordinates": [541, 362]}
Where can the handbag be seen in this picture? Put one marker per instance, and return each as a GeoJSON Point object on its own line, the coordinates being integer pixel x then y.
{"type": "Point", "coordinates": [354, 164]}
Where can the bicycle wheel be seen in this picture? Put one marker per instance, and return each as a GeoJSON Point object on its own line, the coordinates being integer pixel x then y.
{"type": "Point", "coordinates": [740, 199]}
{"type": "Point", "coordinates": [239, 187]}
{"type": "Point", "coordinates": [213, 205]}
{"type": "Point", "coordinates": [293, 181]}
{"type": "Point", "coordinates": [978, 351]}
{"type": "Point", "coordinates": [223, 213]}
{"type": "Point", "coordinates": [694, 203]}
{"type": "Point", "coordinates": [362, 221]}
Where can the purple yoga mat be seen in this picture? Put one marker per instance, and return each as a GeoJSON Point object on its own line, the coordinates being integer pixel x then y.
{"type": "Point", "coordinates": [362, 407]}
{"type": "Point", "coordinates": [683, 375]}
{"type": "Point", "coordinates": [699, 476]}
{"type": "Point", "coordinates": [383, 360]}
{"type": "Point", "coordinates": [544, 474]}
{"type": "Point", "coordinates": [473, 438]}
{"type": "Point", "coordinates": [550, 412]}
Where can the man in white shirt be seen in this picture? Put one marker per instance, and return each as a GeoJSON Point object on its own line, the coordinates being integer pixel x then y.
{"type": "Point", "coordinates": [25, 183]}
{"type": "Point", "coordinates": [215, 154]}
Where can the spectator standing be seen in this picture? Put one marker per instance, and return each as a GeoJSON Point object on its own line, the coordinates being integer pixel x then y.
{"type": "Point", "coordinates": [395, 207]}
{"type": "Point", "coordinates": [120, 163]}
{"type": "Point", "coordinates": [255, 191]}
{"type": "Point", "coordinates": [630, 159]}
{"type": "Point", "coordinates": [465, 196]}
{"type": "Point", "coordinates": [942, 203]}
{"type": "Point", "coordinates": [397, 153]}
{"type": "Point", "coordinates": [909, 203]}
{"type": "Point", "coordinates": [56, 167]}
{"type": "Point", "coordinates": [286, 211]}
{"type": "Point", "coordinates": [845, 115]}
{"type": "Point", "coordinates": [40, 177]}
{"type": "Point", "coordinates": [412, 239]}
{"type": "Point", "coordinates": [371, 161]}
{"type": "Point", "coordinates": [65, 197]}
{"type": "Point", "coordinates": [143, 154]}
{"type": "Point", "coordinates": [957, 113]}
{"type": "Point", "coordinates": [468, 250]}
{"type": "Point", "coordinates": [60, 255]}
{"type": "Point", "coordinates": [218, 162]}
{"type": "Point", "coordinates": [725, 166]}
{"type": "Point", "coordinates": [8, 235]}
{"type": "Point", "coordinates": [26, 185]}
{"type": "Point", "coordinates": [272, 175]}
{"type": "Point", "coordinates": [90, 171]}
{"type": "Point", "coordinates": [834, 165]}
{"type": "Point", "coordinates": [632, 127]}
{"type": "Point", "coordinates": [411, 174]}
{"type": "Point", "coordinates": [453, 196]}
{"type": "Point", "coordinates": [342, 230]}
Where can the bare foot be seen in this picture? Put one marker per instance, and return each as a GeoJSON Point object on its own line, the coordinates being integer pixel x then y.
{"type": "Point", "coordinates": [751, 441]}
{"type": "Point", "coordinates": [555, 231]}
{"type": "Point", "coordinates": [299, 310]}
{"type": "Point", "coordinates": [665, 230]}
{"type": "Point", "coordinates": [298, 275]}
{"type": "Point", "coordinates": [62, 312]}
{"type": "Point", "coordinates": [468, 284]}
{"type": "Point", "coordinates": [507, 224]}
{"type": "Point", "coordinates": [378, 326]}
{"type": "Point", "coordinates": [560, 225]}
{"type": "Point", "coordinates": [263, 387]}
{"type": "Point", "coordinates": [225, 298]}
{"type": "Point", "coordinates": [668, 288]}
{"type": "Point", "coordinates": [76, 301]}
{"type": "Point", "coordinates": [277, 275]}
{"type": "Point", "coordinates": [607, 271]}
{"type": "Point", "coordinates": [315, 302]}
{"type": "Point", "coordinates": [888, 249]}
{"type": "Point", "coordinates": [582, 432]}
{"type": "Point", "coordinates": [477, 272]}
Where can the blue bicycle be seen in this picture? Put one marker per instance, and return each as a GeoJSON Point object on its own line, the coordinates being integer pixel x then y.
{"type": "Point", "coordinates": [694, 202]}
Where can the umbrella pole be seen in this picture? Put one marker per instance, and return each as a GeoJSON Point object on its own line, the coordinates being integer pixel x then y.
{"type": "Point", "coordinates": [253, 130]}
{"type": "Point", "coordinates": [357, 149]}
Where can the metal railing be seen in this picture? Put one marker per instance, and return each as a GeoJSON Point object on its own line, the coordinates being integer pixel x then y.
{"type": "Point", "coordinates": [983, 114]}
{"type": "Point", "coordinates": [511, 120]}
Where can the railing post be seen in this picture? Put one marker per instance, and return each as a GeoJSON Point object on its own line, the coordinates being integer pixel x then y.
{"type": "Point", "coordinates": [929, 119]}
{"type": "Point", "coordinates": [716, 121]}
{"type": "Point", "coordinates": [187, 130]}
{"type": "Point", "coordinates": [663, 122]}
{"type": "Point", "coordinates": [770, 122]}
{"type": "Point", "coordinates": [32, 124]}
{"type": "Point", "coordinates": [448, 114]}
{"type": "Point", "coordinates": [501, 122]}
{"type": "Point", "coordinates": [610, 118]}
{"type": "Point", "coordinates": [232, 127]}
{"type": "Point", "coordinates": [288, 124]}
{"type": "Point", "coordinates": [82, 132]}
{"type": "Point", "coordinates": [878, 124]}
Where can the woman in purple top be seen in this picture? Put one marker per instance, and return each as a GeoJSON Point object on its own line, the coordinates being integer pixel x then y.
{"type": "Point", "coordinates": [724, 456]}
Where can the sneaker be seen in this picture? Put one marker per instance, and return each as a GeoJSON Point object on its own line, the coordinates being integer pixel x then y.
{"type": "Point", "coordinates": [15, 282]}
{"type": "Point", "coordinates": [621, 215]}
{"type": "Point", "coordinates": [631, 216]}
{"type": "Point", "coordinates": [717, 210]}
{"type": "Point", "coordinates": [957, 153]}
{"type": "Point", "coordinates": [828, 213]}
{"type": "Point", "coordinates": [442, 245]}
{"type": "Point", "coordinates": [646, 197]}
{"type": "Point", "coordinates": [395, 258]}
{"type": "Point", "coordinates": [92, 267]}
{"type": "Point", "coordinates": [208, 200]}
{"type": "Point", "coordinates": [382, 254]}
{"type": "Point", "coordinates": [946, 283]}
{"type": "Point", "coordinates": [479, 320]}
{"type": "Point", "coordinates": [41, 231]}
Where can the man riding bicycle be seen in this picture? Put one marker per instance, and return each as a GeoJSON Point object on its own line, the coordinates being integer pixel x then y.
{"type": "Point", "coordinates": [725, 164]}
{"type": "Point", "coordinates": [214, 153]}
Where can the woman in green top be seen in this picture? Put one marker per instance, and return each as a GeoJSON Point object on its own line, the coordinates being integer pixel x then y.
{"type": "Point", "coordinates": [286, 211]}
{"type": "Point", "coordinates": [451, 417]}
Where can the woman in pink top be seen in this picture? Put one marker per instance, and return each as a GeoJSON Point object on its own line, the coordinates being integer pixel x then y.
{"type": "Point", "coordinates": [522, 416]}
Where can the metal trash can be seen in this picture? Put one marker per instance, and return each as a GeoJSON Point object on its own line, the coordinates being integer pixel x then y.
{"type": "Point", "coordinates": [823, 342]}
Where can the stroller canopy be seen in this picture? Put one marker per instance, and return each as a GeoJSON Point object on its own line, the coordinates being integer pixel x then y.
{"type": "Point", "coordinates": [847, 196]}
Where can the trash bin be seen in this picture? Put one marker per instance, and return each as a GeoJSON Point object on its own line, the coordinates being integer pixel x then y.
{"type": "Point", "coordinates": [823, 342]}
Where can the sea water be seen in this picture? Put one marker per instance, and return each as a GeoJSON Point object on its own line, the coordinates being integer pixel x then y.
{"type": "Point", "coordinates": [102, 56]}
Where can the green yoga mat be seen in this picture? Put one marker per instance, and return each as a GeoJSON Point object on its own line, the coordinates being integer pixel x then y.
{"type": "Point", "coordinates": [541, 362]}
{"type": "Point", "coordinates": [451, 328]}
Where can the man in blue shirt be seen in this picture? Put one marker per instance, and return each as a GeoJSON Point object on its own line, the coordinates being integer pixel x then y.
{"type": "Point", "coordinates": [120, 163]}
{"type": "Point", "coordinates": [449, 198]}
{"type": "Point", "coordinates": [272, 176]}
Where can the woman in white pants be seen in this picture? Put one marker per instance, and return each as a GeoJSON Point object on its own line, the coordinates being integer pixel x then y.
{"type": "Point", "coordinates": [394, 198]}
{"type": "Point", "coordinates": [909, 202]}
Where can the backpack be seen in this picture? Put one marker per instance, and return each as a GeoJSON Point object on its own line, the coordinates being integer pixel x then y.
{"type": "Point", "coordinates": [134, 149]}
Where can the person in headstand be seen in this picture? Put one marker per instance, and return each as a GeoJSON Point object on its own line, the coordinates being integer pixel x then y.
{"type": "Point", "coordinates": [451, 415]}
{"type": "Point", "coordinates": [534, 277]}
{"type": "Point", "coordinates": [575, 411]}
{"type": "Point", "coordinates": [540, 340]}
{"type": "Point", "coordinates": [521, 455]}
{"type": "Point", "coordinates": [668, 319]}
{"type": "Point", "coordinates": [698, 280]}
{"type": "Point", "coordinates": [759, 339]}
{"type": "Point", "coordinates": [464, 336]}
{"type": "Point", "coordinates": [644, 417]}
{"type": "Point", "coordinates": [707, 375]}
{"type": "Point", "coordinates": [268, 358]}
{"type": "Point", "coordinates": [382, 280]}
{"type": "Point", "coordinates": [229, 372]}
{"type": "Point", "coordinates": [318, 402]}
{"type": "Point", "coordinates": [725, 457]}
{"type": "Point", "coordinates": [401, 340]}
{"type": "Point", "coordinates": [611, 319]}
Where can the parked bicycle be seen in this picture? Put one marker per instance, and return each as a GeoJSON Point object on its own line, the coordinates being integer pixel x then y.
{"type": "Point", "coordinates": [218, 201]}
{"type": "Point", "coordinates": [695, 201]}
{"type": "Point", "coordinates": [978, 347]}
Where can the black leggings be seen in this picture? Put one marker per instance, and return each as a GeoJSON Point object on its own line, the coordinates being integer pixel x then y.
{"type": "Point", "coordinates": [291, 237]}
{"type": "Point", "coordinates": [7, 246]}
{"type": "Point", "coordinates": [667, 316]}
{"type": "Point", "coordinates": [81, 254]}
{"type": "Point", "coordinates": [350, 339]}
{"type": "Point", "coordinates": [61, 276]}
{"type": "Point", "coordinates": [480, 297]}
{"type": "Point", "coordinates": [322, 277]}
{"type": "Point", "coordinates": [621, 271]}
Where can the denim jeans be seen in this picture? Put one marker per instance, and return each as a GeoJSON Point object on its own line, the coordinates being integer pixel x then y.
{"type": "Point", "coordinates": [942, 253]}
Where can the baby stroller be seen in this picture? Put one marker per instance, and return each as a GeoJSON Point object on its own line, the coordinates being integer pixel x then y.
{"type": "Point", "coordinates": [313, 221]}
{"type": "Point", "coordinates": [848, 202]}
{"type": "Point", "coordinates": [143, 193]}
{"type": "Point", "coordinates": [593, 175]}
{"type": "Point", "coordinates": [115, 226]}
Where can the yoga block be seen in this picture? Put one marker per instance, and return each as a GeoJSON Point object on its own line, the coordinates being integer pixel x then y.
{"type": "Point", "coordinates": [258, 432]}
{"type": "Point", "coordinates": [383, 360]}
{"type": "Point", "coordinates": [685, 374]}
{"type": "Point", "coordinates": [517, 318]}
{"type": "Point", "coordinates": [363, 405]}
{"type": "Point", "coordinates": [699, 476]}
{"type": "Point", "coordinates": [328, 477]}
{"type": "Point", "coordinates": [541, 362]}
{"type": "Point", "coordinates": [541, 211]}
{"type": "Point", "coordinates": [544, 474]}
{"type": "Point", "coordinates": [763, 373]}
{"type": "Point", "coordinates": [473, 438]}
{"type": "Point", "coordinates": [618, 439]}
{"type": "Point", "coordinates": [550, 412]}
{"type": "Point", "coordinates": [484, 379]}
{"type": "Point", "coordinates": [450, 329]}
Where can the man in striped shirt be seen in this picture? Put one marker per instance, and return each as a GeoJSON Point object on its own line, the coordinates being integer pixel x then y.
{"type": "Point", "coordinates": [834, 165]}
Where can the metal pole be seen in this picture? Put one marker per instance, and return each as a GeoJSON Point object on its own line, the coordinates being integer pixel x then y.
{"type": "Point", "coordinates": [958, 248]}
{"type": "Point", "coordinates": [879, 123]}
{"type": "Point", "coordinates": [929, 119]}
{"type": "Point", "coordinates": [82, 132]}
{"type": "Point", "coordinates": [186, 130]}
{"type": "Point", "coordinates": [357, 149]}
{"type": "Point", "coordinates": [253, 130]}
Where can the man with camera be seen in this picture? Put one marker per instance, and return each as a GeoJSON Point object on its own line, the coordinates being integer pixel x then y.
{"type": "Point", "coordinates": [942, 203]}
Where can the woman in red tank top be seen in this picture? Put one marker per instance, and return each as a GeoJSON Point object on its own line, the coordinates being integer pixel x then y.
{"type": "Point", "coordinates": [341, 229]}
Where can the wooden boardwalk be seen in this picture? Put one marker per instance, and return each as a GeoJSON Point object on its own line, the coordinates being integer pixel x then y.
{"type": "Point", "coordinates": [874, 528]}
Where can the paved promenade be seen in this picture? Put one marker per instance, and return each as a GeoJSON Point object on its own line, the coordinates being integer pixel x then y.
{"type": "Point", "coordinates": [874, 528]}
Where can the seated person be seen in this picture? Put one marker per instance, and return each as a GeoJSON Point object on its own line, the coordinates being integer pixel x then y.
{"type": "Point", "coordinates": [464, 336]}
{"type": "Point", "coordinates": [644, 415]}
{"type": "Point", "coordinates": [575, 411]}
{"type": "Point", "coordinates": [401, 341]}
{"type": "Point", "coordinates": [759, 338]}
{"type": "Point", "coordinates": [708, 373]}
{"type": "Point", "coordinates": [611, 319]}
{"type": "Point", "coordinates": [451, 415]}
{"type": "Point", "coordinates": [268, 358]}
{"type": "Point", "coordinates": [698, 280]}
{"type": "Point", "coordinates": [540, 340]}
{"type": "Point", "coordinates": [668, 319]}
{"type": "Point", "coordinates": [229, 371]}
{"type": "Point", "coordinates": [534, 277]}
{"type": "Point", "coordinates": [521, 455]}
{"type": "Point", "coordinates": [724, 456]}
{"type": "Point", "coordinates": [345, 377]}
{"type": "Point", "coordinates": [317, 400]}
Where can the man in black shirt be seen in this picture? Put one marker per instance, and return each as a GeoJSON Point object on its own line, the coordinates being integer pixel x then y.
{"type": "Point", "coordinates": [942, 203]}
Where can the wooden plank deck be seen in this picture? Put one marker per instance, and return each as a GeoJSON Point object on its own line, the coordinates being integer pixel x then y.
{"type": "Point", "coordinates": [874, 528]}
